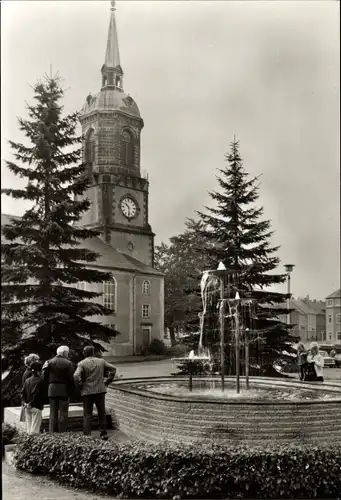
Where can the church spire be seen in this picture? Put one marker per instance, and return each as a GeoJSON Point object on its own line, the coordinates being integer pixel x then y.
{"type": "Point", "coordinates": [112, 74]}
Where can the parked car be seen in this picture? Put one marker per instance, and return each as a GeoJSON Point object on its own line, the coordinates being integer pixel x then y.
{"type": "Point", "coordinates": [329, 362]}
{"type": "Point", "coordinates": [337, 359]}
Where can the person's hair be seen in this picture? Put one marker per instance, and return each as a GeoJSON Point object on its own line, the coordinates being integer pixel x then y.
{"type": "Point", "coordinates": [88, 351]}
{"type": "Point", "coordinates": [36, 366]}
{"type": "Point", "coordinates": [31, 358]}
{"type": "Point", "coordinates": [300, 346]}
{"type": "Point", "coordinates": [63, 350]}
{"type": "Point", "coordinates": [314, 345]}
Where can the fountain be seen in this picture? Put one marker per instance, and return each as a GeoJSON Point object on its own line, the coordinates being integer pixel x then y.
{"type": "Point", "coordinates": [197, 409]}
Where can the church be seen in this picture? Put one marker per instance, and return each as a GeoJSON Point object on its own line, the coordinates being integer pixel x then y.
{"type": "Point", "coordinates": [111, 126]}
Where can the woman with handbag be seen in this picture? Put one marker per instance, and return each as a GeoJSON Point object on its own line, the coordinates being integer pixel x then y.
{"type": "Point", "coordinates": [31, 358]}
{"type": "Point", "coordinates": [33, 399]}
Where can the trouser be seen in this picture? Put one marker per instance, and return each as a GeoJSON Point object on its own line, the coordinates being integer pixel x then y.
{"type": "Point", "coordinates": [302, 372]}
{"type": "Point", "coordinates": [88, 403]}
{"type": "Point", "coordinates": [59, 409]}
{"type": "Point", "coordinates": [33, 420]}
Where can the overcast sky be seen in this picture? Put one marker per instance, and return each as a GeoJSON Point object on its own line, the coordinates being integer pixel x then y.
{"type": "Point", "coordinates": [200, 72]}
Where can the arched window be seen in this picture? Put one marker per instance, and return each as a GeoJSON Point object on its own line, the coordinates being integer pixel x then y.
{"type": "Point", "coordinates": [90, 147]}
{"type": "Point", "coordinates": [127, 148]}
{"type": "Point", "coordinates": [109, 294]}
{"type": "Point", "coordinates": [146, 287]}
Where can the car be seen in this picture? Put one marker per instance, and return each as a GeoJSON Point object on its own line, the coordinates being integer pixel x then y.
{"type": "Point", "coordinates": [337, 359]}
{"type": "Point", "coordinates": [329, 362]}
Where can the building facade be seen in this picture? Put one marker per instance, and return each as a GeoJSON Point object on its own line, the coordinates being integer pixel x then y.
{"type": "Point", "coordinates": [119, 195]}
{"type": "Point", "coordinates": [333, 317]}
{"type": "Point", "coordinates": [308, 317]}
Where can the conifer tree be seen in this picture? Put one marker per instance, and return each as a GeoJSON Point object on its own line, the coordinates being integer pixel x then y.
{"type": "Point", "coordinates": [42, 256]}
{"type": "Point", "coordinates": [235, 234]}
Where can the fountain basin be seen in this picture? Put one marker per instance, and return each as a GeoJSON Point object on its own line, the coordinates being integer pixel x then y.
{"type": "Point", "coordinates": [143, 413]}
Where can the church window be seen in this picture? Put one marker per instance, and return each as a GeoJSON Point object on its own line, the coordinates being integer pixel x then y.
{"type": "Point", "coordinates": [109, 294]}
{"type": "Point", "coordinates": [146, 287]}
{"type": "Point", "coordinates": [146, 311]}
{"type": "Point", "coordinates": [90, 147]}
{"type": "Point", "coordinates": [127, 148]}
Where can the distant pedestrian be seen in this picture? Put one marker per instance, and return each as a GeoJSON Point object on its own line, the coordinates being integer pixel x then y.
{"type": "Point", "coordinates": [33, 398]}
{"type": "Point", "coordinates": [89, 377]}
{"type": "Point", "coordinates": [302, 354]}
{"type": "Point", "coordinates": [58, 372]}
{"type": "Point", "coordinates": [317, 361]}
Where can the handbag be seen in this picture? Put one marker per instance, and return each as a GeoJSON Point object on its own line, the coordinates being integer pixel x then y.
{"type": "Point", "coordinates": [22, 417]}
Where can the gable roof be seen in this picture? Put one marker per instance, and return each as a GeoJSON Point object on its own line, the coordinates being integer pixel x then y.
{"type": "Point", "coordinates": [335, 295]}
{"type": "Point", "coordinates": [109, 257]}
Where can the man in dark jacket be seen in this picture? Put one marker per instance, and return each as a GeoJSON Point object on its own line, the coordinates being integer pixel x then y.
{"type": "Point", "coordinates": [89, 378]}
{"type": "Point", "coordinates": [58, 372]}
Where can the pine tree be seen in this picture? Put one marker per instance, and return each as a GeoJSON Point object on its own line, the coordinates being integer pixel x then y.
{"type": "Point", "coordinates": [235, 235]}
{"type": "Point", "coordinates": [42, 260]}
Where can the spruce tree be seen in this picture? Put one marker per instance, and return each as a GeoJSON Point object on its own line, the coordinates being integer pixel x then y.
{"type": "Point", "coordinates": [236, 235]}
{"type": "Point", "coordinates": [42, 256]}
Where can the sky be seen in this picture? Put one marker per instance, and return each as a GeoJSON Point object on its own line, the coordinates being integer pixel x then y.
{"type": "Point", "coordinates": [201, 72]}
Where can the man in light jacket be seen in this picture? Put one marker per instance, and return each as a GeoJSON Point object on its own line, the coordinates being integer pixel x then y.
{"type": "Point", "coordinates": [58, 372]}
{"type": "Point", "coordinates": [89, 377]}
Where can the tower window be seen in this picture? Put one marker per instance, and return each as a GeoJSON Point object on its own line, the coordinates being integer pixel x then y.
{"type": "Point", "coordinates": [109, 294]}
{"type": "Point", "coordinates": [90, 147]}
{"type": "Point", "coordinates": [127, 148]}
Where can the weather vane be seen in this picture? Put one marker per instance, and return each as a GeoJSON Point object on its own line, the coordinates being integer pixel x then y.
{"type": "Point", "coordinates": [113, 5]}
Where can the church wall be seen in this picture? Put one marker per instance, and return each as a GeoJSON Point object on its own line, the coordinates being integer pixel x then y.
{"type": "Point", "coordinates": [128, 319]}
{"type": "Point", "coordinates": [155, 301]}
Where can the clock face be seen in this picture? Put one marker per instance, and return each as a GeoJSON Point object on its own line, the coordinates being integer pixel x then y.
{"type": "Point", "coordinates": [128, 207]}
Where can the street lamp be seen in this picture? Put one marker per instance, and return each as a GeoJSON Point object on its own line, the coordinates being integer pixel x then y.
{"type": "Point", "coordinates": [289, 269]}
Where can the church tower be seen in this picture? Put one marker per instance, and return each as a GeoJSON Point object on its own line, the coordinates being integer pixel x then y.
{"type": "Point", "coordinates": [118, 192]}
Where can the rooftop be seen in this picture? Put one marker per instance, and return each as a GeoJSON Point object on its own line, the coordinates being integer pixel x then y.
{"type": "Point", "coordinates": [109, 257]}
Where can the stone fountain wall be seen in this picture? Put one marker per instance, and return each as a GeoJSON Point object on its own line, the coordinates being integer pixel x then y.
{"type": "Point", "coordinates": [153, 417]}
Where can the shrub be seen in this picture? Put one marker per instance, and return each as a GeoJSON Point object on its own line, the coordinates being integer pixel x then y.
{"type": "Point", "coordinates": [178, 351]}
{"type": "Point", "coordinates": [142, 470]}
{"type": "Point", "coordinates": [157, 347]}
{"type": "Point", "coordinates": [9, 434]}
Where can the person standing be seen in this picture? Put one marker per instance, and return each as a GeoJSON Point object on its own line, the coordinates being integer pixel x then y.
{"type": "Point", "coordinates": [58, 372]}
{"type": "Point", "coordinates": [301, 359]}
{"type": "Point", "coordinates": [318, 361]}
{"type": "Point", "coordinates": [33, 399]}
{"type": "Point", "coordinates": [31, 358]}
{"type": "Point", "coordinates": [89, 378]}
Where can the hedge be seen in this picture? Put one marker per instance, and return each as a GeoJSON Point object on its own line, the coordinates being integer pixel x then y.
{"type": "Point", "coordinates": [141, 470]}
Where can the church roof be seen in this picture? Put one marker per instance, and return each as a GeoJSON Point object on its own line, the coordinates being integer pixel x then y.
{"type": "Point", "coordinates": [112, 54]}
{"type": "Point", "coordinates": [111, 99]}
{"type": "Point", "coordinates": [109, 257]}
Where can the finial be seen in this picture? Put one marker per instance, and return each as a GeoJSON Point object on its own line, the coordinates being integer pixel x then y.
{"type": "Point", "coordinates": [113, 5]}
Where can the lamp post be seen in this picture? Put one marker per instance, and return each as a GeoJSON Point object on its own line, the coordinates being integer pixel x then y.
{"type": "Point", "coordinates": [289, 268]}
